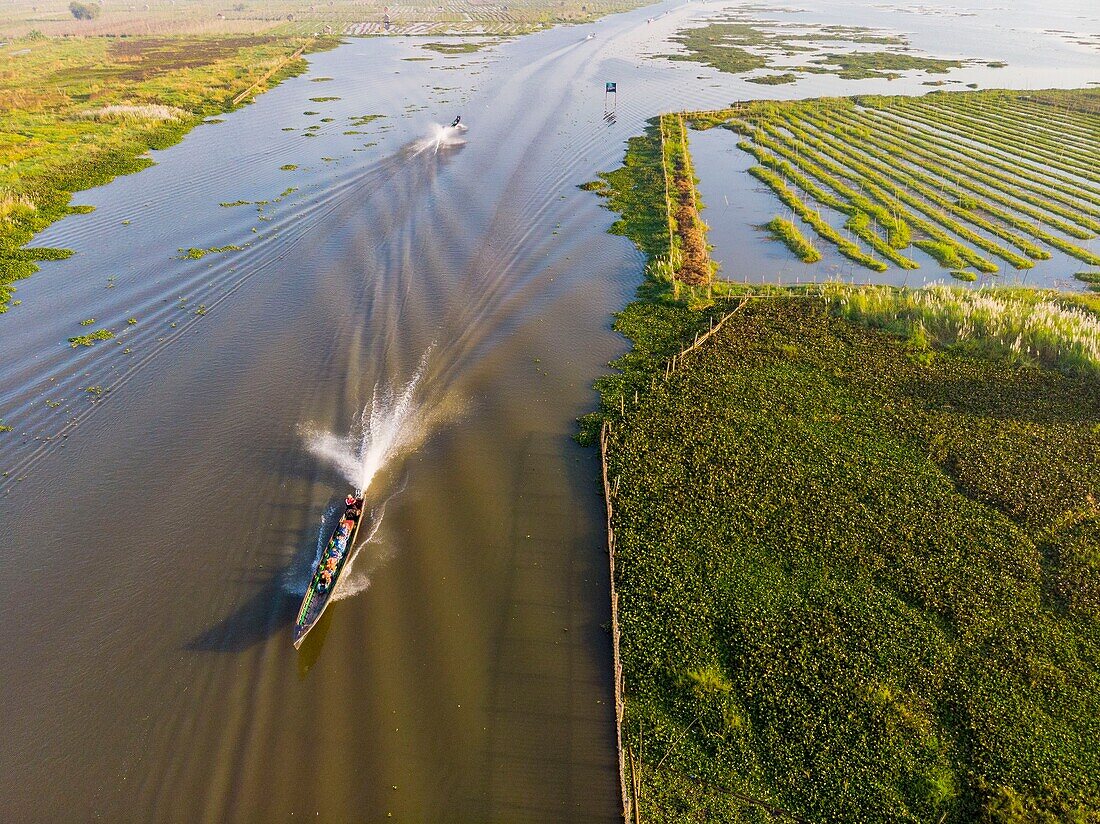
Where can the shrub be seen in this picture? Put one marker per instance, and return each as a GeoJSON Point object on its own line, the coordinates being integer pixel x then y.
{"type": "Point", "coordinates": [84, 11]}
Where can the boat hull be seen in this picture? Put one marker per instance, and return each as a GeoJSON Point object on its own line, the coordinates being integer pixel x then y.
{"type": "Point", "coordinates": [318, 595]}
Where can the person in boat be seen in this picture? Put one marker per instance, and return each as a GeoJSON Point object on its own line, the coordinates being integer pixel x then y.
{"type": "Point", "coordinates": [457, 120]}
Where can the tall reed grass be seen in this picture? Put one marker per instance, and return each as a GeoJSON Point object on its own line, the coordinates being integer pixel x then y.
{"type": "Point", "coordinates": [1025, 326]}
{"type": "Point", "coordinates": [131, 113]}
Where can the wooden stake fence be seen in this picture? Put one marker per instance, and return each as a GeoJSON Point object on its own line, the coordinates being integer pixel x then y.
{"type": "Point", "coordinates": [266, 77]}
{"type": "Point", "coordinates": [627, 798]}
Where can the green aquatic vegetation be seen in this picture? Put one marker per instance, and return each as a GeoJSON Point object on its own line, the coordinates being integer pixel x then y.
{"type": "Point", "coordinates": [198, 254]}
{"type": "Point", "coordinates": [736, 45]}
{"type": "Point", "coordinates": [81, 210]}
{"type": "Point", "coordinates": [36, 253]}
{"type": "Point", "coordinates": [852, 573]}
{"type": "Point", "coordinates": [229, 205]}
{"type": "Point", "coordinates": [711, 46]}
{"type": "Point", "coordinates": [327, 119]}
{"type": "Point", "coordinates": [319, 79]}
{"type": "Point", "coordinates": [782, 229]}
{"type": "Point", "coordinates": [364, 119]}
{"type": "Point", "coordinates": [458, 47]}
{"type": "Point", "coordinates": [87, 322]}
{"type": "Point", "coordinates": [90, 339]}
{"type": "Point", "coordinates": [310, 114]}
{"type": "Point", "coordinates": [322, 99]}
{"type": "Point", "coordinates": [1088, 277]}
{"type": "Point", "coordinates": [864, 65]}
{"type": "Point", "coordinates": [288, 167]}
{"type": "Point", "coordinates": [963, 275]}
{"type": "Point", "coordinates": [773, 79]}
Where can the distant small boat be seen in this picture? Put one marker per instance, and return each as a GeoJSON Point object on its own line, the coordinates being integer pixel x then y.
{"type": "Point", "coordinates": [333, 560]}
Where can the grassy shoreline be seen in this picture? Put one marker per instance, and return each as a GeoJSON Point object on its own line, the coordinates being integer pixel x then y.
{"type": "Point", "coordinates": [90, 126]}
{"type": "Point", "coordinates": [856, 545]}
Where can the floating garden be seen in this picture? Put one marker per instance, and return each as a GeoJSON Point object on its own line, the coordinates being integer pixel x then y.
{"type": "Point", "coordinates": [979, 182]}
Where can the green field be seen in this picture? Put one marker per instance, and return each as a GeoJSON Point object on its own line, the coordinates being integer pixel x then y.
{"type": "Point", "coordinates": [857, 533]}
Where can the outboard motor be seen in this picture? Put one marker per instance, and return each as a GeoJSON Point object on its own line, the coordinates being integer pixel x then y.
{"type": "Point", "coordinates": [457, 120]}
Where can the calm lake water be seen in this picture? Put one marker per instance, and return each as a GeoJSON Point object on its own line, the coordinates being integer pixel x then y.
{"type": "Point", "coordinates": [166, 489]}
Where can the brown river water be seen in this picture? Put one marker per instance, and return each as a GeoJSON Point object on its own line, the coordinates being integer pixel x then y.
{"type": "Point", "coordinates": [158, 530]}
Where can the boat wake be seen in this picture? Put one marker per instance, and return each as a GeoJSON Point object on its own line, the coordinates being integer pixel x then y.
{"type": "Point", "coordinates": [394, 423]}
{"type": "Point", "coordinates": [441, 137]}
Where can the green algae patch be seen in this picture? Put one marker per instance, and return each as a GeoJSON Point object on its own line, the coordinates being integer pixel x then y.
{"type": "Point", "coordinates": [773, 79]}
{"type": "Point", "coordinates": [91, 339]}
{"type": "Point", "coordinates": [198, 254]}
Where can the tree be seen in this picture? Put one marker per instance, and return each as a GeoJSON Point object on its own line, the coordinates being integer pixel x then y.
{"type": "Point", "coordinates": [84, 11]}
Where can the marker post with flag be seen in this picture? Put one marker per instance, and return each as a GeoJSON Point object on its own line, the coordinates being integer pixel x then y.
{"type": "Point", "coordinates": [610, 88]}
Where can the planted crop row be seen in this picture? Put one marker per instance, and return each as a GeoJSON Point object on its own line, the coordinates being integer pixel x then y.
{"type": "Point", "coordinates": [897, 229]}
{"type": "Point", "coordinates": [1012, 152]}
{"type": "Point", "coordinates": [824, 230]}
{"type": "Point", "coordinates": [784, 230]}
{"type": "Point", "coordinates": [1060, 118]}
{"type": "Point", "coordinates": [879, 189]}
{"type": "Point", "coordinates": [1017, 200]}
{"type": "Point", "coordinates": [971, 127]}
{"type": "Point", "coordinates": [965, 207]}
{"type": "Point", "coordinates": [858, 208]}
{"type": "Point", "coordinates": [1060, 147]}
{"type": "Point", "coordinates": [1051, 185]}
{"type": "Point", "coordinates": [910, 178]}
{"type": "Point", "coordinates": [815, 162]}
{"type": "Point", "coordinates": [844, 154]}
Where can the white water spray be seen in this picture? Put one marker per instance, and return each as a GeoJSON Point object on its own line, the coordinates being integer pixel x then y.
{"type": "Point", "coordinates": [441, 137]}
{"type": "Point", "coordinates": [392, 423]}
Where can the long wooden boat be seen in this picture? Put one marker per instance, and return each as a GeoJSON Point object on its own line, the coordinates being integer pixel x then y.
{"type": "Point", "coordinates": [333, 560]}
